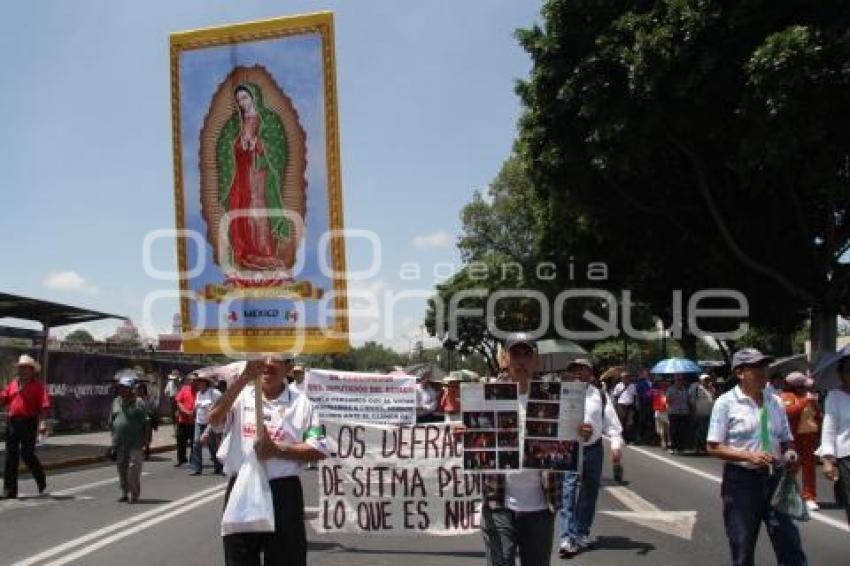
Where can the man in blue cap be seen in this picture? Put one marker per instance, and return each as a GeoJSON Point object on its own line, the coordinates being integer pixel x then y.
{"type": "Point", "coordinates": [749, 431]}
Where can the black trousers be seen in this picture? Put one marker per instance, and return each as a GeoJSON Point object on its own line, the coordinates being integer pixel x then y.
{"type": "Point", "coordinates": [287, 545]}
{"type": "Point", "coordinates": [680, 431]}
{"type": "Point", "coordinates": [842, 486]}
{"type": "Point", "coordinates": [184, 432]}
{"type": "Point", "coordinates": [20, 444]}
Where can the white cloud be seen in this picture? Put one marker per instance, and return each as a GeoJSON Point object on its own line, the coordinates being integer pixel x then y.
{"type": "Point", "coordinates": [69, 281]}
{"type": "Point", "coordinates": [434, 240]}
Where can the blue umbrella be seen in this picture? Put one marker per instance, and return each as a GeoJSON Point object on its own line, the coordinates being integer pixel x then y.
{"type": "Point", "coordinates": [675, 365]}
{"type": "Point", "coordinates": [826, 372]}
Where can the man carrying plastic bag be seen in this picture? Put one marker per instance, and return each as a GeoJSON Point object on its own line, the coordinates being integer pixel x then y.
{"type": "Point", "coordinates": [264, 455]}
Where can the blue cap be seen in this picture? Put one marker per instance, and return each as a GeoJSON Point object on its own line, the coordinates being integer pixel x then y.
{"type": "Point", "coordinates": [749, 357]}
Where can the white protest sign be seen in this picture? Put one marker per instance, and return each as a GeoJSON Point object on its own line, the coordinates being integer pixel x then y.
{"type": "Point", "coordinates": [351, 397]}
{"type": "Point", "coordinates": [401, 481]}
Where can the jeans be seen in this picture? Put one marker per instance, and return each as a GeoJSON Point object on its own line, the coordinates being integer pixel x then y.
{"type": "Point", "coordinates": [505, 531]}
{"type": "Point", "coordinates": [579, 499]}
{"type": "Point", "coordinates": [746, 504]}
{"type": "Point", "coordinates": [20, 445]}
{"type": "Point", "coordinates": [196, 459]}
{"type": "Point", "coordinates": [287, 545]}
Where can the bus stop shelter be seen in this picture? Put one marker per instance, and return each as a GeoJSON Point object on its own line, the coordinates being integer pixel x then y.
{"type": "Point", "coordinates": [49, 315]}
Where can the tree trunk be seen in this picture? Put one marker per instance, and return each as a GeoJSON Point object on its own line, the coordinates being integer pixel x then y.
{"type": "Point", "coordinates": [688, 342]}
{"type": "Point", "coordinates": [823, 334]}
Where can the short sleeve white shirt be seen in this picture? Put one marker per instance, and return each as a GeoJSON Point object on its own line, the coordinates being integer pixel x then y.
{"type": "Point", "coordinates": [735, 422]}
{"type": "Point", "coordinates": [290, 418]}
{"type": "Point", "coordinates": [204, 401]}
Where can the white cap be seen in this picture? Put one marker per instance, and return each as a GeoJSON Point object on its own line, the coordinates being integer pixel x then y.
{"type": "Point", "coordinates": [126, 377]}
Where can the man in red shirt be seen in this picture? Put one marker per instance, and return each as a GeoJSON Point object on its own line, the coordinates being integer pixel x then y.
{"type": "Point", "coordinates": [26, 402]}
{"type": "Point", "coordinates": [184, 428]}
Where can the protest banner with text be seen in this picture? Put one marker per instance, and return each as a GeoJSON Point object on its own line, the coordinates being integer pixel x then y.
{"type": "Point", "coordinates": [399, 480]}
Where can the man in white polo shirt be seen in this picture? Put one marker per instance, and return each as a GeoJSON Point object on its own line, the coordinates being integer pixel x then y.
{"type": "Point", "coordinates": [749, 431]}
{"type": "Point", "coordinates": [292, 436]}
{"type": "Point", "coordinates": [581, 491]}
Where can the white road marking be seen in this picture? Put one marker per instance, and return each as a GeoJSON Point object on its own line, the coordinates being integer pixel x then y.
{"type": "Point", "coordinates": [126, 523]}
{"type": "Point", "coordinates": [87, 486]}
{"type": "Point", "coordinates": [642, 512]}
{"type": "Point", "coordinates": [86, 550]}
{"type": "Point", "coordinates": [816, 516]}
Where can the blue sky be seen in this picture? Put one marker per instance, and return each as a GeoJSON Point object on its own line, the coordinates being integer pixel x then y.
{"type": "Point", "coordinates": [427, 115]}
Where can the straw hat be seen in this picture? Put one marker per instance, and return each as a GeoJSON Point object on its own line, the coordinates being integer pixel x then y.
{"type": "Point", "coordinates": [26, 360]}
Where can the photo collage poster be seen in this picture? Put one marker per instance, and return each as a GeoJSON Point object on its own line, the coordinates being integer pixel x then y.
{"type": "Point", "coordinates": [490, 413]}
{"type": "Point", "coordinates": [554, 412]}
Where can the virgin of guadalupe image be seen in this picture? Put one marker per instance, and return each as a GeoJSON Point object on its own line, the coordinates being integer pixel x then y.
{"type": "Point", "coordinates": [252, 175]}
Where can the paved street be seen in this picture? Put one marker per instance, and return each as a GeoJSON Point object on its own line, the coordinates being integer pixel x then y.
{"type": "Point", "coordinates": [177, 522]}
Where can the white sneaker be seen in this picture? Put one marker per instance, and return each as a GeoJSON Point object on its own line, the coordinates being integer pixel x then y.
{"type": "Point", "coordinates": [584, 542]}
{"type": "Point", "coordinates": [568, 548]}
{"type": "Point", "coordinates": [812, 505]}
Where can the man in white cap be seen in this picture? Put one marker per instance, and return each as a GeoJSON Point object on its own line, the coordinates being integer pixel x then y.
{"type": "Point", "coordinates": [128, 422]}
{"type": "Point", "coordinates": [26, 403]}
{"type": "Point", "coordinates": [518, 510]}
{"type": "Point", "coordinates": [171, 389]}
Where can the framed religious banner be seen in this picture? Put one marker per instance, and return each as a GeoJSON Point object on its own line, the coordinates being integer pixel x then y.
{"type": "Point", "coordinates": [257, 187]}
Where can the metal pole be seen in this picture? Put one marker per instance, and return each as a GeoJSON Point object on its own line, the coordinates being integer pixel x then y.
{"type": "Point", "coordinates": [44, 354]}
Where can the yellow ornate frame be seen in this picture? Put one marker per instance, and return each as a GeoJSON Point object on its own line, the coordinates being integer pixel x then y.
{"type": "Point", "coordinates": [316, 340]}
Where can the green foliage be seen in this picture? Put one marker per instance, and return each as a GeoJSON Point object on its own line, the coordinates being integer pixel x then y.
{"type": "Point", "coordinates": [695, 145]}
{"type": "Point", "coordinates": [80, 335]}
{"type": "Point", "coordinates": [371, 356]}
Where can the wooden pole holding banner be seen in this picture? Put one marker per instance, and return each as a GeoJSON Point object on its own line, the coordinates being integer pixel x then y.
{"type": "Point", "coordinates": [258, 405]}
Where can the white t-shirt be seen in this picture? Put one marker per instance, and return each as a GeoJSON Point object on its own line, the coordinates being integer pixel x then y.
{"type": "Point", "coordinates": [524, 490]}
{"type": "Point", "coordinates": [835, 436]}
{"type": "Point", "coordinates": [290, 419]}
{"type": "Point", "coordinates": [624, 394]}
{"type": "Point", "coordinates": [204, 401]}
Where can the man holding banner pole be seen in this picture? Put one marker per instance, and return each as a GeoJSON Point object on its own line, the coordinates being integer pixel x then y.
{"type": "Point", "coordinates": [290, 436]}
{"type": "Point", "coordinates": [518, 514]}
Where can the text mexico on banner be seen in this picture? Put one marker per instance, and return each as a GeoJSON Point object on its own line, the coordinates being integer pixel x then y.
{"type": "Point", "coordinates": [363, 397]}
{"type": "Point", "coordinates": [396, 481]}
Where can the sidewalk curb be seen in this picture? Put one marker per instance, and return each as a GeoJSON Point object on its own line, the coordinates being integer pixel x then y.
{"type": "Point", "coordinates": [88, 460]}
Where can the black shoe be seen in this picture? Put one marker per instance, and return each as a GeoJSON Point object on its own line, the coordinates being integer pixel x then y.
{"type": "Point", "coordinates": [122, 499]}
{"type": "Point", "coordinates": [219, 472]}
{"type": "Point", "coordinates": [178, 464]}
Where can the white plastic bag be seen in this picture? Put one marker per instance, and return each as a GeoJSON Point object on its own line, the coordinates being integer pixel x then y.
{"type": "Point", "coordinates": [229, 454]}
{"type": "Point", "coordinates": [250, 508]}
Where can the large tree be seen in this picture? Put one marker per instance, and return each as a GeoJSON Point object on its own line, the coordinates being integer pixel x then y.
{"type": "Point", "coordinates": [697, 144]}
